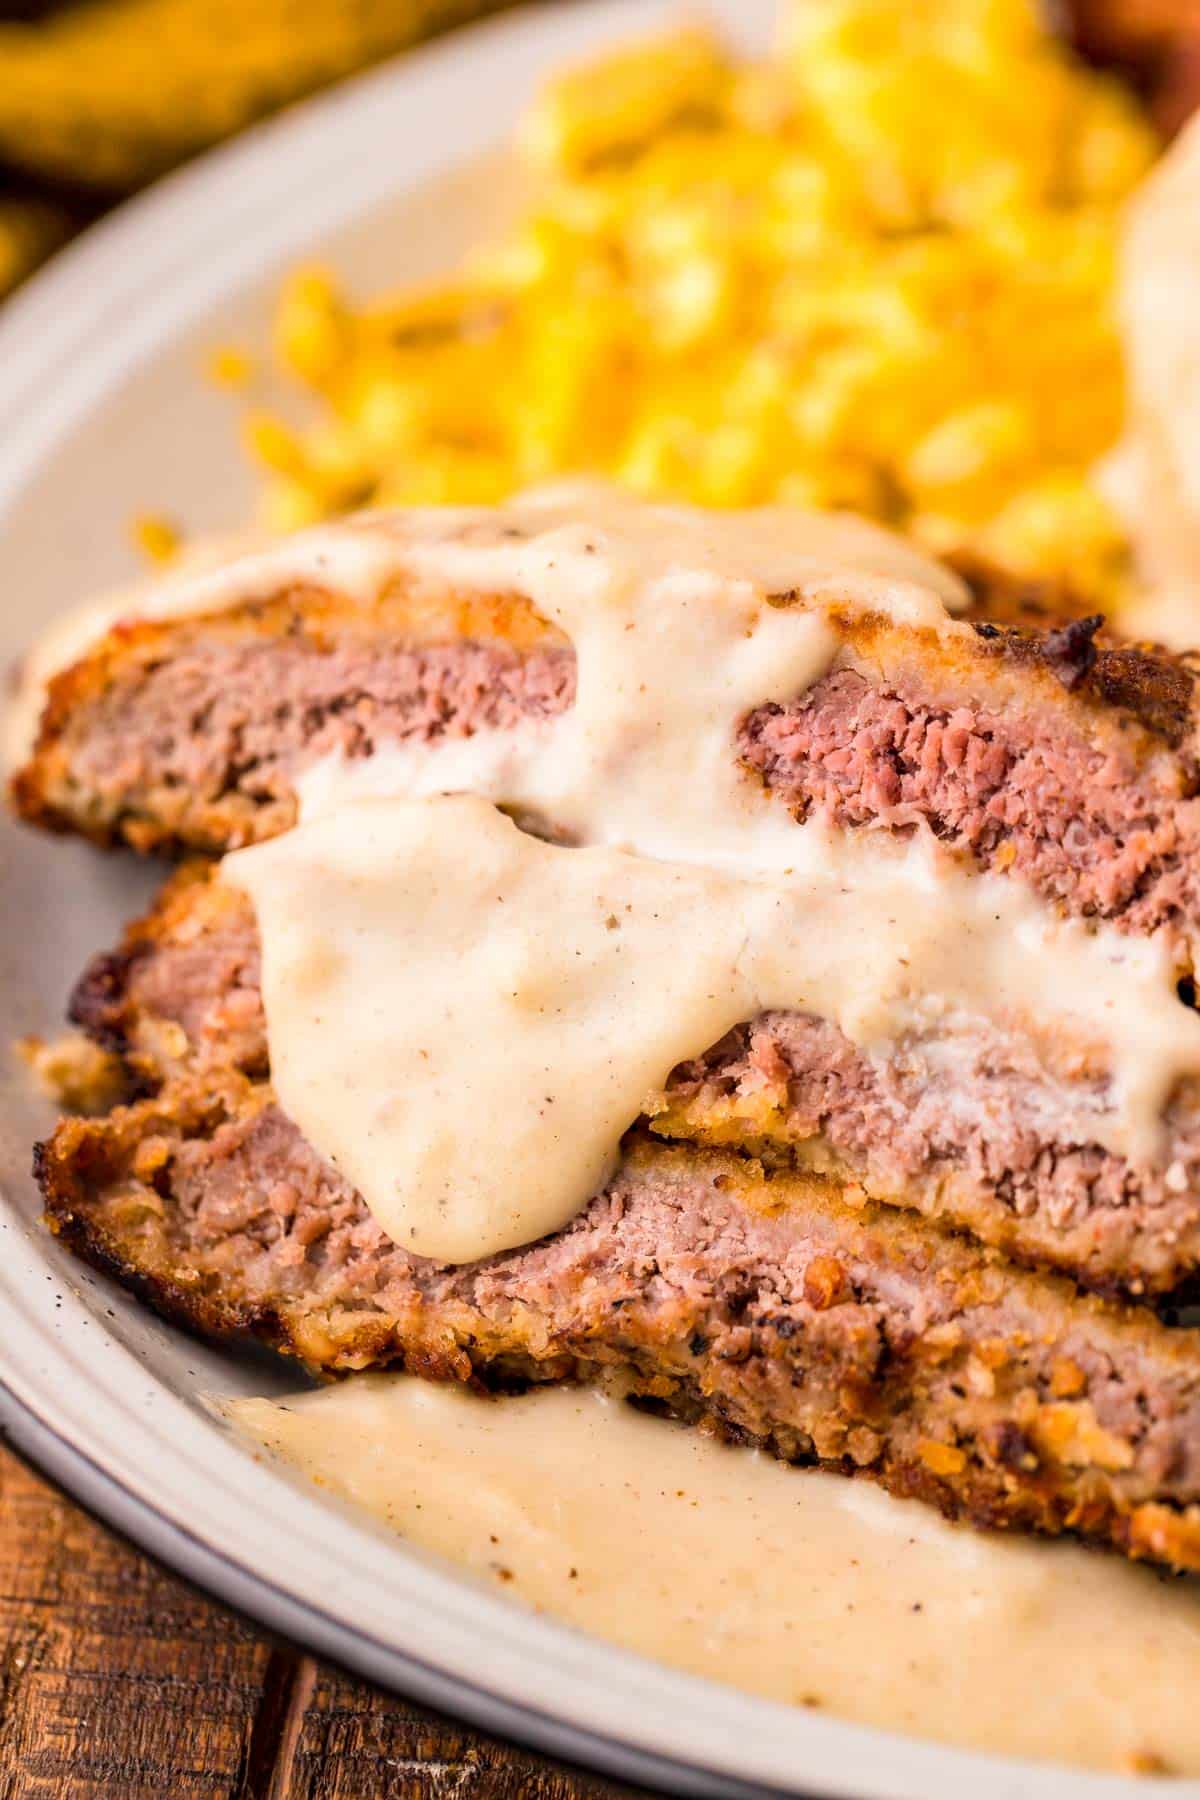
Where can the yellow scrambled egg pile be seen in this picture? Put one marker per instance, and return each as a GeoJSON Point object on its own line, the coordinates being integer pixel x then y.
{"type": "Point", "coordinates": [875, 271]}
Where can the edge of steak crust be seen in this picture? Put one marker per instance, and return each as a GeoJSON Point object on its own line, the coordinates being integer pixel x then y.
{"type": "Point", "coordinates": [966, 1137]}
{"type": "Point", "coordinates": [763, 1305]}
{"type": "Point", "coordinates": [1054, 755]}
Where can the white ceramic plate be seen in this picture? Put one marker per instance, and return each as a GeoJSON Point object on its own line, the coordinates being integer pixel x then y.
{"type": "Point", "coordinates": [103, 414]}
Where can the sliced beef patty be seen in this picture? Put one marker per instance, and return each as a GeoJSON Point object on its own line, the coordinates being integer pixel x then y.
{"type": "Point", "coordinates": [762, 1305]}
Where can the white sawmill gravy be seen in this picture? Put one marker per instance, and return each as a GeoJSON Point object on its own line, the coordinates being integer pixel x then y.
{"type": "Point", "coordinates": [359, 557]}
{"type": "Point", "coordinates": [799, 1586]}
{"type": "Point", "coordinates": [464, 1019]}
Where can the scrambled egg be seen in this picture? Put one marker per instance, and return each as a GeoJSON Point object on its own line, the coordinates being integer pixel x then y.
{"type": "Point", "coordinates": [875, 271]}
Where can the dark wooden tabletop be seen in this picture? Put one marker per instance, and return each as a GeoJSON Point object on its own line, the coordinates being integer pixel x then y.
{"type": "Point", "coordinates": [118, 1682]}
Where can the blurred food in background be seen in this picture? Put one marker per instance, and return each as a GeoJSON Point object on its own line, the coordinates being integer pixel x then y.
{"type": "Point", "coordinates": [107, 94]}
{"type": "Point", "coordinates": [1154, 476]}
{"type": "Point", "coordinates": [30, 228]}
{"type": "Point", "coordinates": [875, 271]}
{"type": "Point", "coordinates": [1156, 44]}
{"type": "Point", "coordinates": [97, 97]}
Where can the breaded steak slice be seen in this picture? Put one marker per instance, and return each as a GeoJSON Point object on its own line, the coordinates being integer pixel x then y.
{"type": "Point", "coordinates": [960, 1136]}
{"type": "Point", "coordinates": [764, 1305]}
{"type": "Point", "coordinates": [1051, 755]}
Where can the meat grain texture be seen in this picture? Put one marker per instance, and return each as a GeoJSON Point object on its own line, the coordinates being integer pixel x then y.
{"type": "Point", "coordinates": [763, 1306]}
{"type": "Point", "coordinates": [746, 1274]}
{"type": "Point", "coordinates": [1038, 754]}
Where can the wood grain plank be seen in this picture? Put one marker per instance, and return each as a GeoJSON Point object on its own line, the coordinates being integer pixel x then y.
{"type": "Point", "coordinates": [357, 1741]}
{"type": "Point", "coordinates": [115, 1679]}
{"type": "Point", "coordinates": [119, 1683]}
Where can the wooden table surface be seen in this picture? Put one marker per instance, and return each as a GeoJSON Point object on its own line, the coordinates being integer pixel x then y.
{"type": "Point", "coordinates": [118, 1682]}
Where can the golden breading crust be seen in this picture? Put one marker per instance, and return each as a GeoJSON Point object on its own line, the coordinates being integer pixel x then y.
{"type": "Point", "coordinates": [181, 994]}
{"type": "Point", "coordinates": [160, 735]}
{"type": "Point", "coordinates": [764, 1307]}
{"type": "Point", "coordinates": [57, 788]}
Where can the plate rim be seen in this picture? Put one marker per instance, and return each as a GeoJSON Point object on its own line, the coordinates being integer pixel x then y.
{"type": "Point", "coordinates": [310, 1629]}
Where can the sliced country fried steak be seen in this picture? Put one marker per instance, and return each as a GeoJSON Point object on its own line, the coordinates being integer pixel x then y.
{"type": "Point", "coordinates": [191, 732]}
{"type": "Point", "coordinates": [763, 1305]}
{"type": "Point", "coordinates": [1066, 761]}
{"type": "Point", "coordinates": [962, 1130]}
